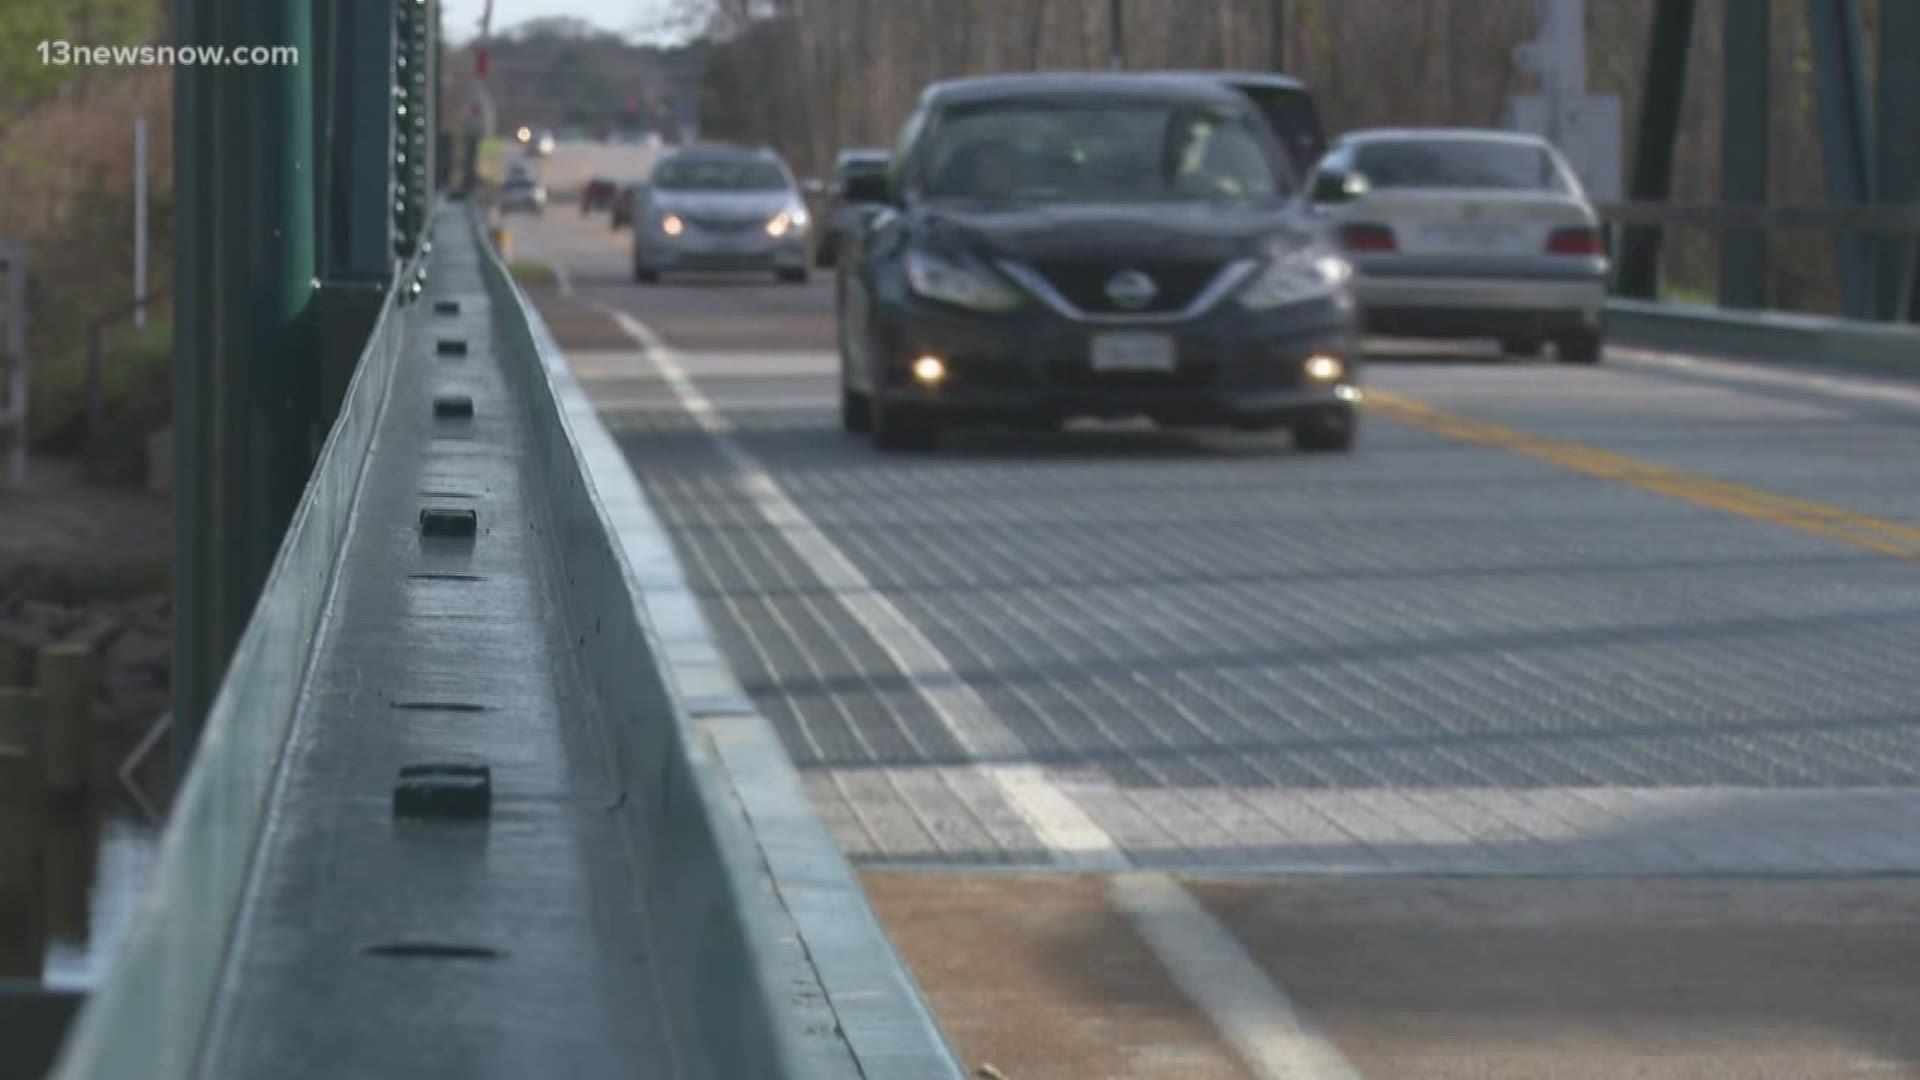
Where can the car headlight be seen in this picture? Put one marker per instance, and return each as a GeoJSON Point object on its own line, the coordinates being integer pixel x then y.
{"type": "Point", "coordinates": [672, 225]}
{"type": "Point", "coordinates": [792, 219]}
{"type": "Point", "coordinates": [1295, 276]}
{"type": "Point", "coordinates": [963, 284]}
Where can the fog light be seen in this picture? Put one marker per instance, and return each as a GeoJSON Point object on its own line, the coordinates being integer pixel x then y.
{"type": "Point", "coordinates": [929, 371]}
{"type": "Point", "coordinates": [1325, 368]}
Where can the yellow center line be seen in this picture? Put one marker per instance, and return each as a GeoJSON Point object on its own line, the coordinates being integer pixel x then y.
{"type": "Point", "coordinates": [1860, 530]}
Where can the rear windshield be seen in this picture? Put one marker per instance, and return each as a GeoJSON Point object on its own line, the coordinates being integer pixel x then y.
{"type": "Point", "coordinates": [1295, 121]}
{"type": "Point", "coordinates": [719, 174]}
{"type": "Point", "coordinates": [1480, 164]}
{"type": "Point", "coordinates": [862, 166]}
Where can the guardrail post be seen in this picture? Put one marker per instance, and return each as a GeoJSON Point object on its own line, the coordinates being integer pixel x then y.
{"type": "Point", "coordinates": [1845, 138]}
{"type": "Point", "coordinates": [1744, 150]}
{"type": "Point", "coordinates": [1652, 180]}
{"type": "Point", "coordinates": [1896, 158]}
{"type": "Point", "coordinates": [246, 384]}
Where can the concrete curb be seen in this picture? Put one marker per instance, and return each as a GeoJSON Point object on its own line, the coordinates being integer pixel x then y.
{"type": "Point", "coordinates": [1774, 337]}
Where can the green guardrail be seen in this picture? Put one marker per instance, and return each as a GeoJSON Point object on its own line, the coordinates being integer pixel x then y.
{"type": "Point", "coordinates": [150, 1013]}
{"type": "Point", "coordinates": [1776, 337]}
{"type": "Point", "coordinates": [774, 963]}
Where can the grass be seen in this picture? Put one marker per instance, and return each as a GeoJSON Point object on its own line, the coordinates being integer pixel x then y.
{"type": "Point", "coordinates": [130, 363]}
{"type": "Point", "coordinates": [1684, 294]}
{"type": "Point", "coordinates": [492, 162]}
{"type": "Point", "coordinates": [531, 274]}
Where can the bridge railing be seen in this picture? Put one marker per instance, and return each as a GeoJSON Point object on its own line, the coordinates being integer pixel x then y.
{"type": "Point", "coordinates": [1639, 229]}
{"type": "Point", "coordinates": [1887, 347]}
{"type": "Point", "coordinates": [772, 959]}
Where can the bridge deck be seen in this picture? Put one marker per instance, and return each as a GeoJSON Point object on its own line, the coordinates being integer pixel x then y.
{"type": "Point", "coordinates": [514, 948]}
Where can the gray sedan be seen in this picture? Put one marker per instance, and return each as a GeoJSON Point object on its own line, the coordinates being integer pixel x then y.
{"type": "Point", "coordinates": [1466, 233]}
{"type": "Point", "coordinates": [721, 209]}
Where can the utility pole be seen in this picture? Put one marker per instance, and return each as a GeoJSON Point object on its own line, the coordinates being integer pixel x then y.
{"type": "Point", "coordinates": [480, 122]}
{"type": "Point", "coordinates": [140, 221]}
{"type": "Point", "coordinates": [1277, 34]}
{"type": "Point", "coordinates": [1116, 35]}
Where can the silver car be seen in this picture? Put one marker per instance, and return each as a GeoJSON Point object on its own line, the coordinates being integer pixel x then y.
{"type": "Point", "coordinates": [523, 194]}
{"type": "Point", "coordinates": [717, 208]}
{"type": "Point", "coordinates": [1468, 233]}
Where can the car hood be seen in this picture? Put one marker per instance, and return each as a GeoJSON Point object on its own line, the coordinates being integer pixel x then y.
{"type": "Point", "coordinates": [741, 204]}
{"type": "Point", "coordinates": [1183, 231]}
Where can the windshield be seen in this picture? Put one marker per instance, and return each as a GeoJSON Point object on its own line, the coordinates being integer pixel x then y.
{"type": "Point", "coordinates": [1481, 164]}
{"type": "Point", "coordinates": [1163, 152]}
{"type": "Point", "coordinates": [719, 174]}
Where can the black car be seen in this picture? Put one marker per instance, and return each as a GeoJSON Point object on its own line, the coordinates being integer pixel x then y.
{"type": "Point", "coordinates": [1104, 245]}
{"type": "Point", "coordinates": [842, 215]}
{"type": "Point", "coordinates": [598, 194]}
{"type": "Point", "coordinates": [1288, 107]}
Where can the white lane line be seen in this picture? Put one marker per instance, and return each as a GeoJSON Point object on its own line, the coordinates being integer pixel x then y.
{"type": "Point", "coordinates": [1242, 1002]}
{"type": "Point", "coordinates": [1055, 818]}
{"type": "Point", "coordinates": [1208, 963]}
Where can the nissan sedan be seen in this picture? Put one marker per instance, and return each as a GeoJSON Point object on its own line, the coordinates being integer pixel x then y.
{"type": "Point", "coordinates": [1093, 245]}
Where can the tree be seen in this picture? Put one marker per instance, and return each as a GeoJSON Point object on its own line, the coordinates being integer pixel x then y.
{"type": "Point", "coordinates": [25, 25]}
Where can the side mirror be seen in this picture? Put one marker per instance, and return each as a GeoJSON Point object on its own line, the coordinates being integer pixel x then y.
{"type": "Point", "coordinates": [1338, 186]}
{"type": "Point", "coordinates": [868, 188]}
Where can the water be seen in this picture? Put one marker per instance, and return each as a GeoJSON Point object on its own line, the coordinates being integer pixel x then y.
{"type": "Point", "coordinates": [120, 859]}
{"type": "Point", "coordinates": [70, 881]}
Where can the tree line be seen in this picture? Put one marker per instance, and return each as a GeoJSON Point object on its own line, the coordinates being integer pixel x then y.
{"type": "Point", "coordinates": [811, 76]}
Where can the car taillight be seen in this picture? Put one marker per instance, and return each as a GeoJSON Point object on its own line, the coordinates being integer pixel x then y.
{"type": "Point", "coordinates": [1576, 242]}
{"type": "Point", "coordinates": [1368, 237]}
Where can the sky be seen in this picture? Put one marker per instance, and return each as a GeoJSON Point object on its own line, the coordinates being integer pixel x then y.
{"type": "Point", "coordinates": [462, 17]}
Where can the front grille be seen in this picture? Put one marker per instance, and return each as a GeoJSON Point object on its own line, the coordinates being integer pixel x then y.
{"type": "Point", "coordinates": [1084, 283]}
{"type": "Point", "coordinates": [708, 223]}
{"type": "Point", "coordinates": [1079, 375]}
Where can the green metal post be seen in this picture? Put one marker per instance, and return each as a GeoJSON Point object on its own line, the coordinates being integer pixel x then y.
{"type": "Point", "coordinates": [1845, 138]}
{"type": "Point", "coordinates": [1896, 157]}
{"type": "Point", "coordinates": [194, 565]}
{"type": "Point", "coordinates": [1652, 179]}
{"type": "Point", "coordinates": [412, 114]}
{"type": "Point", "coordinates": [362, 167]}
{"type": "Point", "coordinates": [1744, 150]}
{"type": "Point", "coordinates": [248, 356]}
{"type": "Point", "coordinates": [326, 76]}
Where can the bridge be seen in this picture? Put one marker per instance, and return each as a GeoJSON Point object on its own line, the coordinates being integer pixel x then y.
{"type": "Point", "coordinates": [559, 692]}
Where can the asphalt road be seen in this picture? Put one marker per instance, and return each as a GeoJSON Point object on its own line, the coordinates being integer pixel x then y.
{"type": "Point", "coordinates": [1548, 734]}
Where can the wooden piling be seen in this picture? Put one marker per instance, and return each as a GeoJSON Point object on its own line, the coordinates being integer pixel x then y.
{"type": "Point", "coordinates": [23, 834]}
{"type": "Point", "coordinates": [66, 680]}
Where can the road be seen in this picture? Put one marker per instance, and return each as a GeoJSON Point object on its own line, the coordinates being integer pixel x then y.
{"type": "Point", "coordinates": [1560, 730]}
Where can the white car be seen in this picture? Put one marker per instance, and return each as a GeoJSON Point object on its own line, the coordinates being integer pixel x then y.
{"type": "Point", "coordinates": [1468, 233]}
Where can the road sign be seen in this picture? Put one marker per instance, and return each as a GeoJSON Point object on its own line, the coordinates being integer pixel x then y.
{"type": "Point", "coordinates": [1588, 132]}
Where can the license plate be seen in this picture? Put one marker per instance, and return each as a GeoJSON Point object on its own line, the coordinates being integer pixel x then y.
{"type": "Point", "coordinates": [1467, 237]}
{"type": "Point", "coordinates": [1133, 351]}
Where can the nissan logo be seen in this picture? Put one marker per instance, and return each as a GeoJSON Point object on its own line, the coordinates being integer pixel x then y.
{"type": "Point", "coordinates": [1132, 289]}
